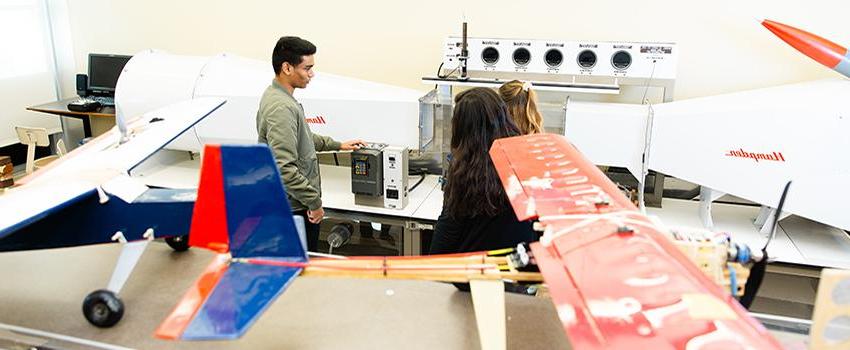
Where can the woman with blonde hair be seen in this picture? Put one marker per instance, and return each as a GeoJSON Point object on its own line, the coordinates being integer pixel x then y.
{"type": "Point", "coordinates": [522, 106]}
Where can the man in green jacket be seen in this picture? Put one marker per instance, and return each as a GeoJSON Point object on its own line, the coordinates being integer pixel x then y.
{"type": "Point", "coordinates": [281, 124]}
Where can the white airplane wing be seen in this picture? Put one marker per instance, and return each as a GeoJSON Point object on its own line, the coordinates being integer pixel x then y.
{"type": "Point", "coordinates": [98, 162]}
{"type": "Point", "coordinates": [751, 143]}
{"type": "Point", "coordinates": [623, 124]}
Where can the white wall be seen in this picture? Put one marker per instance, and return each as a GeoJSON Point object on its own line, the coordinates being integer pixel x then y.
{"type": "Point", "coordinates": [723, 47]}
{"type": "Point", "coordinates": [26, 68]}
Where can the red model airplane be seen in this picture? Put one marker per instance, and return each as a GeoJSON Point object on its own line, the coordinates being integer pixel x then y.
{"type": "Point", "coordinates": [617, 280]}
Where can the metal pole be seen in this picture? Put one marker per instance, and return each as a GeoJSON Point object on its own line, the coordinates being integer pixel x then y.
{"type": "Point", "coordinates": [56, 80]}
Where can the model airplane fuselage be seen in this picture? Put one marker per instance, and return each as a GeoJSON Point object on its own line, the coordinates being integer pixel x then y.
{"type": "Point", "coordinates": [341, 107]}
{"type": "Point", "coordinates": [87, 197]}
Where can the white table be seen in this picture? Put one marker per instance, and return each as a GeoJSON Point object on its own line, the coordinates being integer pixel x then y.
{"type": "Point", "coordinates": [336, 194]}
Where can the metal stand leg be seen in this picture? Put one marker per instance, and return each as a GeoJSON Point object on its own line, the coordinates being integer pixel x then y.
{"type": "Point", "coordinates": [764, 221]}
{"type": "Point", "coordinates": [87, 126]}
{"type": "Point", "coordinates": [657, 191]}
{"type": "Point", "coordinates": [764, 212]}
{"type": "Point", "coordinates": [410, 240]}
{"type": "Point", "coordinates": [130, 255]}
{"type": "Point", "coordinates": [412, 237]}
{"type": "Point", "coordinates": [706, 197]}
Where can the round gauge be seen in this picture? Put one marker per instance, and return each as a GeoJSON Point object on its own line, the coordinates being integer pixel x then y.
{"type": "Point", "coordinates": [553, 58]}
{"type": "Point", "coordinates": [490, 55]}
{"type": "Point", "coordinates": [586, 59]}
{"type": "Point", "coordinates": [621, 60]}
{"type": "Point", "coordinates": [522, 56]}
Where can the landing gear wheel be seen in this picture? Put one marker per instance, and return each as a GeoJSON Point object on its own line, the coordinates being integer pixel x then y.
{"type": "Point", "coordinates": [178, 243]}
{"type": "Point", "coordinates": [103, 308]}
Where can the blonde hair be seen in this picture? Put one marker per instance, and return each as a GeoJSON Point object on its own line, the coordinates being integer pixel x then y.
{"type": "Point", "coordinates": [522, 106]}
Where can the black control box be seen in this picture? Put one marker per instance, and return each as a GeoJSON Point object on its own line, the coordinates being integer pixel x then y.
{"type": "Point", "coordinates": [367, 167]}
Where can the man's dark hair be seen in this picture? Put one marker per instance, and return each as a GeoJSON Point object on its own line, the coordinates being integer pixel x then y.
{"type": "Point", "coordinates": [291, 49]}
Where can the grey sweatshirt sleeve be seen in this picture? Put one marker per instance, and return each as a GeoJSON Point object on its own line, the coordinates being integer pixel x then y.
{"type": "Point", "coordinates": [282, 136]}
{"type": "Point", "coordinates": [325, 143]}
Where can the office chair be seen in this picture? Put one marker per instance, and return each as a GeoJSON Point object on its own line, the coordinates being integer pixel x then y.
{"type": "Point", "coordinates": [33, 137]}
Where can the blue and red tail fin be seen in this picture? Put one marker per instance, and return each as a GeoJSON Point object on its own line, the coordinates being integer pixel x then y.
{"type": "Point", "coordinates": [242, 206]}
{"type": "Point", "coordinates": [241, 209]}
{"type": "Point", "coordinates": [226, 300]}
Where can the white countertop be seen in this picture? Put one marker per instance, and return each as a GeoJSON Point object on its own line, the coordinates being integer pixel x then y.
{"type": "Point", "coordinates": [175, 170]}
{"type": "Point", "coordinates": [425, 201]}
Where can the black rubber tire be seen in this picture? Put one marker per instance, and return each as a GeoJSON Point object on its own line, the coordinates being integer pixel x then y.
{"type": "Point", "coordinates": [103, 308]}
{"type": "Point", "coordinates": [178, 243]}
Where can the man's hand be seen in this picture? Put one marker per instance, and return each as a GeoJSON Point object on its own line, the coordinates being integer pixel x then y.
{"type": "Point", "coordinates": [352, 145]}
{"type": "Point", "coordinates": [315, 216]}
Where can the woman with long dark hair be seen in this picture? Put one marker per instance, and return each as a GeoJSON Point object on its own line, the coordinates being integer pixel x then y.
{"type": "Point", "coordinates": [476, 213]}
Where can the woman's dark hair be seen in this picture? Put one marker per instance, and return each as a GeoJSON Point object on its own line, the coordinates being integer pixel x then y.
{"type": "Point", "coordinates": [291, 49]}
{"type": "Point", "coordinates": [473, 187]}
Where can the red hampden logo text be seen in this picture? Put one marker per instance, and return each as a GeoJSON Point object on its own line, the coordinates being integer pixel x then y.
{"type": "Point", "coordinates": [775, 156]}
{"type": "Point", "coordinates": [317, 120]}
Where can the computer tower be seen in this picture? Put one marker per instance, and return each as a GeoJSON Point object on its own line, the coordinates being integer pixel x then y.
{"type": "Point", "coordinates": [82, 85]}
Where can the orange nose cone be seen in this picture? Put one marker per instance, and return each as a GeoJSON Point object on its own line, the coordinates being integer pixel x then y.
{"type": "Point", "coordinates": [824, 51]}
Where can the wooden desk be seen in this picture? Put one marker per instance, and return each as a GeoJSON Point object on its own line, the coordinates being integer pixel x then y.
{"type": "Point", "coordinates": [94, 123]}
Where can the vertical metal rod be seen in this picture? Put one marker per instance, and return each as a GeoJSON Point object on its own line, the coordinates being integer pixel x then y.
{"type": "Point", "coordinates": [464, 54]}
{"type": "Point", "coordinates": [56, 80]}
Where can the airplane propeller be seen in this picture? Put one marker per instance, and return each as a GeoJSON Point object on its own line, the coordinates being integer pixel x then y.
{"type": "Point", "coordinates": [760, 267]}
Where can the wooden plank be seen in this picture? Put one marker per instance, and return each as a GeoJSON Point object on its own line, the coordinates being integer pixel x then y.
{"type": "Point", "coordinates": [488, 298]}
{"type": "Point", "coordinates": [832, 311]}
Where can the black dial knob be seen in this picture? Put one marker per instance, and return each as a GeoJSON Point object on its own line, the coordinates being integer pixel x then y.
{"type": "Point", "coordinates": [553, 58]}
{"type": "Point", "coordinates": [522, 56]}
{"type": "Point", "coordinates": [586, 59]}
{"type": "Point", "coordinates": [621, 60]}
{"type": "Point", "coordinates": [490, 55]}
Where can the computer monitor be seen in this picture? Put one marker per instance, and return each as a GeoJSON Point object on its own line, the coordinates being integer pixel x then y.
{"type": "Point", "coordinates": [104, 71]}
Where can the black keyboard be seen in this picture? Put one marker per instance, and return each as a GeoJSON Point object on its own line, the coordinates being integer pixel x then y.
{"type": "Point", "coordinates": [104, 100]}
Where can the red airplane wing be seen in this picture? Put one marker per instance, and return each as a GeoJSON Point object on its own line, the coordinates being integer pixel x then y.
{"type": "Point", "coordinates": [617, 281]}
